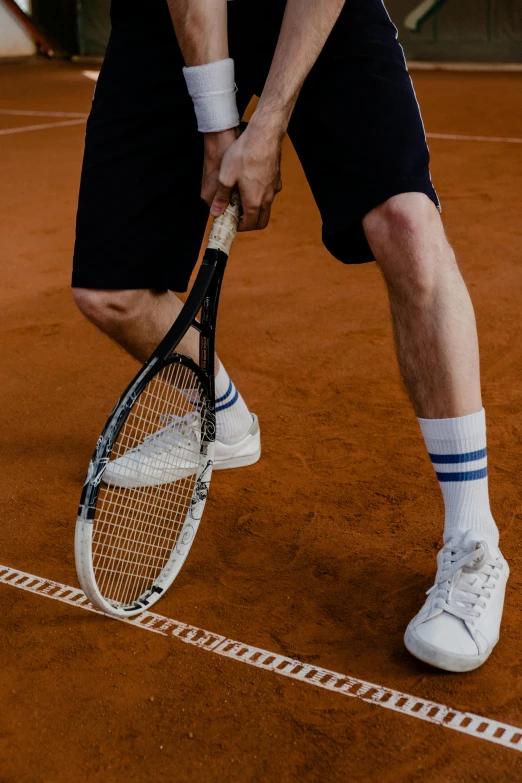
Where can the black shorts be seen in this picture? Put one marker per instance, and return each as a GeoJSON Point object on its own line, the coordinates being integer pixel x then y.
{"type": "Point", "coordinates": [356, 128]}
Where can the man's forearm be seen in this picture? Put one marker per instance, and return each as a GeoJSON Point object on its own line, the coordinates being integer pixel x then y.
{"type": "Point", "coordinates": [305, 29]}
{"type": "Point", "coordinates": [201, 29]}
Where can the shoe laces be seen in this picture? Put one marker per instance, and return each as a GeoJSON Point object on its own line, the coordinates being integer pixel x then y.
{"type": "Point", "coordinates": [465, 579]}
{"type": "Point", "coordinates": [177, 432]}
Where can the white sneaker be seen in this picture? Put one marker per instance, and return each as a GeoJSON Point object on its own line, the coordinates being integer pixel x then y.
{"type": "Point", "coordinates": [245, 452]}
{"type": "Point", "coordinates": [172, 454]}
{"type": "Point", "coordinates": [459, 624]}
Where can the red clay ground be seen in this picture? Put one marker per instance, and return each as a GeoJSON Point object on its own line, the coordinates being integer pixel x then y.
{"type": "Point", "coordinates": [322, 551]}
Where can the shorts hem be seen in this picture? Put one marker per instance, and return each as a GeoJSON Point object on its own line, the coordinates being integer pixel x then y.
{"type": "Point", "coordinates": [104, 280]}
{"type": "Point", "coordinates": [348, 243]}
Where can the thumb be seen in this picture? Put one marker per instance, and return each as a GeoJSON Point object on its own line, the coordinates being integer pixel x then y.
{"type": "Point", "coordinates": [221, 199]}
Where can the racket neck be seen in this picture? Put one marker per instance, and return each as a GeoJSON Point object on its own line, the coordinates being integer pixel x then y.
{"type": "Point", "coordinates": [209, 308]}
{"type": "Point", "coordinates": [203, 296]}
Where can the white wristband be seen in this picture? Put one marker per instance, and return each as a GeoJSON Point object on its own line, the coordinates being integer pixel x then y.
{"type": "Point", "coordinates": [213, 92]}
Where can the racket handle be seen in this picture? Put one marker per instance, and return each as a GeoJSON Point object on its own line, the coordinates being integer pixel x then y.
{"type": "Point", "coordinates": [224, 227]}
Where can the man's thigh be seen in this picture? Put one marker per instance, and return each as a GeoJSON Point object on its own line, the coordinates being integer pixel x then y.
{"type": "Point", "coordinates": [358, 132]}
{"type": "Point", "coordinates": [356, 127]}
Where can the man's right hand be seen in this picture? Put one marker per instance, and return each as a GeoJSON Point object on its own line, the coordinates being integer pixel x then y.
{"type": "Point", "coordinates": [216, 144]}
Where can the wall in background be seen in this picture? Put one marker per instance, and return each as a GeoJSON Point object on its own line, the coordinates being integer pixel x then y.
{"type": "Point", "coordinates": [57, 20]}
{"type": "Point", "coordinates": [94, 26]}
{"type": "Point", "coordinates": [463, 30]}
{"type": "Point", "coordinates": [14, 40]}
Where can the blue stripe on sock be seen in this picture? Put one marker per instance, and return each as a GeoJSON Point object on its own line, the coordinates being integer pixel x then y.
{"type": "Point", "coordinates": [452, 459]}
{"type": "Point", "coordinates": [468, 475]}
{"type": "Point", "coordinates": [228, 404]}
{"type": "Point", "coordinates": [220, 399]}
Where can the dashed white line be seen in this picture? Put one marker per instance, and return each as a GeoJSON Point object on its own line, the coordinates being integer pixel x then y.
{"type": "Point", "coordinates": [465, 722]}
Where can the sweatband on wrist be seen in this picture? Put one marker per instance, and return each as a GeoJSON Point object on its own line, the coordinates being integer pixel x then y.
{"type": "Point", "coordinates": [213, 92]}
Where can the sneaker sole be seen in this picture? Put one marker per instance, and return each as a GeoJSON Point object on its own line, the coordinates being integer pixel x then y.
{"type": "Point", "coordinates": [233, 462]}
{"type": "Point", "coordinates": [238, 462]}
{"type": "Point", "coordinates": [450, 662]}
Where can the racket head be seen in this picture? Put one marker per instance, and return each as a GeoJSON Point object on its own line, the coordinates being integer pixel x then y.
{"type": "Point", "coordinates": [146, 487]}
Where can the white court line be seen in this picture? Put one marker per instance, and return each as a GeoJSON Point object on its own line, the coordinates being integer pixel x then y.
{"type": "Point", "coordinates": [43, 126]}
{"type": "Point", "coordinates": [31, 113]}
{"type": "Point", "coordinates": [423, 65]}
{"type": "Point", "coordinates": [454, 137]}
{"type": "Point", "coordinates": [431, 712]}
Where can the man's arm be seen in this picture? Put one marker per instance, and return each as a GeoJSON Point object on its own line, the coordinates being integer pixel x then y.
{"type": "Point", "coordinates": [252, 162]}
{"type": "Point", "coordinates": [306, 26]}
{"type": "Point", "coordinates": [201, 30]}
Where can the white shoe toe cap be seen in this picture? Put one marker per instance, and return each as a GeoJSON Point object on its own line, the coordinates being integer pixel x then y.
{"type": "Point", "coordinates": [448, 634]}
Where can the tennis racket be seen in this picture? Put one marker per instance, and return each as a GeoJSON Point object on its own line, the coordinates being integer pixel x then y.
{"type": "Point", "coordinates": [149, 476]}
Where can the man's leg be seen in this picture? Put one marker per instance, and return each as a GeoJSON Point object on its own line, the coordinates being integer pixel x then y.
{"type": "Point", "coordinates": [140, 199]}
{"type": "Point", "coordinates": [433, 319]}
{"type": "Point", "coordinates": [358, 132]}
{"type": "Point", "coordinates": [138, 320]}
{"type": "Point", "coordinates": [437, 350]}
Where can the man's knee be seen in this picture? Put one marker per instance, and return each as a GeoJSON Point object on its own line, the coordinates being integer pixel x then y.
{"type": "Point", "coordinates": [409, 243]}
{"type": "Point", "coordinates": [403, 220]}
{"type": "Point", "coordinates": [108, 308]}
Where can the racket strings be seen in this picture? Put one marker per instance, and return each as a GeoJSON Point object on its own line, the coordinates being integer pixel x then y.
{"type": "Point", "coordinates": [137, 542]}
{"type": "Point", "coordinates": [133, 558]}
{"type": "Point", "coordinates": [137, 527]}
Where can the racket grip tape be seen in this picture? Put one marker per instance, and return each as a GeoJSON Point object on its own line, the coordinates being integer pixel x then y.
{"type": "Point", "coordinates": [224, 227]}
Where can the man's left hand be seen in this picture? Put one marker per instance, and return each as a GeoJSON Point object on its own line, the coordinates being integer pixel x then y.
{"type": "Point", "coordinates": [252, 164]}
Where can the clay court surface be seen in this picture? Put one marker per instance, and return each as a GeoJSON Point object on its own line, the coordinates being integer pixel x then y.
{"type": "Point", "coordinates": [322, 551]}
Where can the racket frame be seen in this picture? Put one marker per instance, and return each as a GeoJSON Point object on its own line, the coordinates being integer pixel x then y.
{"type": "Point", "coordinates": [204, 297]}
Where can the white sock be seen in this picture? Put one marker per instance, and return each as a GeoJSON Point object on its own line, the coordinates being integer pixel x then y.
{"type": "Point", "coordinates": [457, 448]}
{"type": "Point", "coordinates": [233, 419]}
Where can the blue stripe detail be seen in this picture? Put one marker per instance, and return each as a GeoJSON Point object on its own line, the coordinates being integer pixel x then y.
{"type": "Point", "coordinates": [452, 459]}
{"type": "Point", "coordinates": [228, 404]}
{"type": "Point", "coordinates": [469, 475]}
{"type": "Point", "coordinates": [220, 399]}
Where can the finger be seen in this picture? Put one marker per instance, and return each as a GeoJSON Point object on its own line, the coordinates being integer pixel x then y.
{"type": "Point", "coordinates": [249, 219]}
{"type": "Point", "coordinates": [221, 199]}
{"type": "Point", "coordinates": [264, 217]}
{"type": "Point", "coordinates": [208, 190]}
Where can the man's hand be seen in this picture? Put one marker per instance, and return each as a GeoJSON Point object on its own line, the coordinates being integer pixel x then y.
{"type": "Point", "coordinates": [216, 144]}
{"type": "Point", "coordinates": [252, 163]}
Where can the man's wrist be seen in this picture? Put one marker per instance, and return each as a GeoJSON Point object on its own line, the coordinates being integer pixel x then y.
{"type": "Point", "coordinates": [215, 137]}
{"type": "Point", "coordinates": [271, 124]}
{"type": "Point", "coordinates": [213, 92]}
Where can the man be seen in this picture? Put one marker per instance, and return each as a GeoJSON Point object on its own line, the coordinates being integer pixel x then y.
{"type": "Point", "coordinates": [334, 76]}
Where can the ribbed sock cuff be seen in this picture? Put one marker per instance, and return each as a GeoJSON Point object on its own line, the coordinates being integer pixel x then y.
{"type": "Point", "coordinates": [462, 429]}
